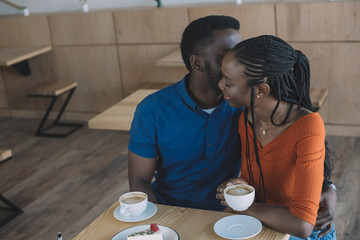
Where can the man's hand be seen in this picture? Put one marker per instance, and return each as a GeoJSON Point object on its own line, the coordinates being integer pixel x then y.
{"type": "Point", "coordinates": [221, 187]}
{"type": "Point", "coordinates": [326, 211]}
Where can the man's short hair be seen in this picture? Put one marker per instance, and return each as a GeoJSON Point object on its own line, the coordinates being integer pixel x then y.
{"type": "Point", "coordinates": [198, 35]}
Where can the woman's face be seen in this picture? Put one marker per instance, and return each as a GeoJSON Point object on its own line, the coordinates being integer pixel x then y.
{"type": "Point", "coordinates": [234, 84]}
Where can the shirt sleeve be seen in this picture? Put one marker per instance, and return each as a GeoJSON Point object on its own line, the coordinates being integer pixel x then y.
{"type": "Point", "coordinates": [310, 154]}
{"type": "Point", "coordinates": [143, 133]}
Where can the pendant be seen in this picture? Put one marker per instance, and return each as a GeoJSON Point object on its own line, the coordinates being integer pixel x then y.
{"type": "Point", "coordinates": [264, 132]}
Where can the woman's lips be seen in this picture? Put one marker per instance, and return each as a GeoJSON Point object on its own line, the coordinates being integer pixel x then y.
{"type": "Point", "coordinates": [226, 98]}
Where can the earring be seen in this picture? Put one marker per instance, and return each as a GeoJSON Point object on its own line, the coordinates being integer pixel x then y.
{"type": "Point", "coordinates": [258, 96]}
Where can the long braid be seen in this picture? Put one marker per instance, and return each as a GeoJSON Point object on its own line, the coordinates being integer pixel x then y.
{"type": "Point", "coordinates": [268, 59]}
{"type": "Point", "coordinates": [261, 180]}
{"type": "Point", "coordinates": [249, 166]}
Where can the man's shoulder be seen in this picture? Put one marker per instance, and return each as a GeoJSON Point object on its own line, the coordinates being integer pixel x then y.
{"type": "Point", "coordinates": [161, 96]}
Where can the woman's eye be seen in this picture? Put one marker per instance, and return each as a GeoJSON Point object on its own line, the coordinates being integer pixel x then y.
{"type": "Point", "coordinates": [228, 84]}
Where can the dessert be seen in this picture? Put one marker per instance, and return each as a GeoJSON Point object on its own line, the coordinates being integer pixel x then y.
{"type": "Point", "coordinates": [153, 233]}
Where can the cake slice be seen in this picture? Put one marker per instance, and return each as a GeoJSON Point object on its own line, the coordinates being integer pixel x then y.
{"type": "Point", "coordinates": [153, 233]}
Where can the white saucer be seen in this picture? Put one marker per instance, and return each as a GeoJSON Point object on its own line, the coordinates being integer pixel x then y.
{"type": "Point", "coordinates": [148, 213]}
{"type": "Point", "coordinates": [167, 233]}
{"type": "Point", "coordinates": [237, 227]}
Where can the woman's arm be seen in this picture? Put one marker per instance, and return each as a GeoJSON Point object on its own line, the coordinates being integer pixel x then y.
{"type": "Point", "coordinates": [273, 216]}
{"type": "Point", "coordinates": [280, 219]}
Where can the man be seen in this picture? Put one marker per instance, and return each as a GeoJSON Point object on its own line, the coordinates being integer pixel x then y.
{"type": "Point", "coordinates": [186, 134]}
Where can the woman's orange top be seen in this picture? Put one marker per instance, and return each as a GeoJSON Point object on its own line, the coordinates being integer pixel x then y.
{"type": "Point", "coordinates": [292, 166]}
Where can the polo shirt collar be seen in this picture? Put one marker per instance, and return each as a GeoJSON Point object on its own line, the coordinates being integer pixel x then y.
{"type": "Point", "coordinates": [188, 100]}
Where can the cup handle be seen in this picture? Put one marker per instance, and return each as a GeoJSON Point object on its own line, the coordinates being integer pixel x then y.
{"type": "Point", "coordinates": [125, 211]}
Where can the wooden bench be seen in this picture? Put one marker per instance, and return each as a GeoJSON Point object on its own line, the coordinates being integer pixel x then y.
{"type": "Point", "coordinates": [54, 90]}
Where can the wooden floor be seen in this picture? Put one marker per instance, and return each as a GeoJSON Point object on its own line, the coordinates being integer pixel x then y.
{"type": "Point", "coordinates": [64, 184]}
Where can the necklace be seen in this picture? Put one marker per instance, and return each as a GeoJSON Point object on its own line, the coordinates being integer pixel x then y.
{"type": "Point", "coordinates": [266, 126]}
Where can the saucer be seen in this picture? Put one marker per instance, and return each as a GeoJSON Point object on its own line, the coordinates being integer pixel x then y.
{"type": "Point", "coordinates": [237, 227]}
{"type": "Point", "coordinates": [148, 213]}
{"type": "Point", "coordinates": [167, 233]}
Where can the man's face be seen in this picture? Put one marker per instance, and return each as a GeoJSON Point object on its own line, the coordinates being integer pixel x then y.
{"type": "Point", "coordinates": [224, 40]}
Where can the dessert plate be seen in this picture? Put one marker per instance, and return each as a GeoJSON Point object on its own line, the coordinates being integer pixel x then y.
{"type": "Point", "coordinates": [167, 233]}
{"type": "Point", "coordinates": [237, 227]}
{"type": "Point", "coordinates": [148, 213]}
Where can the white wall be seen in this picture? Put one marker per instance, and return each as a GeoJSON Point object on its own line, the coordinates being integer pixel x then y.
{"type": "Point", "coordinates": [47, 6]}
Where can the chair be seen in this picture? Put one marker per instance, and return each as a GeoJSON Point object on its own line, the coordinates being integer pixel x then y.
{"type": "Point", "coordinates": [54, 90]}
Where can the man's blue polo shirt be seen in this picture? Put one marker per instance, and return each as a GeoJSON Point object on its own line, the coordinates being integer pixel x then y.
{"type": "Point", "coordinates": [196, 151]}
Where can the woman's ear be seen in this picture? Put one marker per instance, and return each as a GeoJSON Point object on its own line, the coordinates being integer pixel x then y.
{"type": "Point", "coordinates": [196, 63]}
{"type": "Point", "coordinates": [263, 90]}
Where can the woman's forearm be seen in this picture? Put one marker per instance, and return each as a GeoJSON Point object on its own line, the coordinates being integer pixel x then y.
{"type": "Point", "coordinates": [280, 219]}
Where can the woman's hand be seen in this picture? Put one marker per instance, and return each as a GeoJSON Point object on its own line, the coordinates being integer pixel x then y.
{"type": "Point", "coordinates": [221, 187]}
{"type": "Point", "coordinates": [326, 211]}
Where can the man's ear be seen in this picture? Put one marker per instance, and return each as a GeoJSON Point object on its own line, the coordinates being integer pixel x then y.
{"type": "Point", "coordinates": [196, 63]}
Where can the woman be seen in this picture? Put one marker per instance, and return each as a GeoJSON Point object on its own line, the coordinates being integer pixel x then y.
{"type": "Point", "coordinates": [283, 138]}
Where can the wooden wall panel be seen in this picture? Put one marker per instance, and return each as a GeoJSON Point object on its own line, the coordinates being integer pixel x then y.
{"type": "Point", "coordinates": [42, 69]}
{"type": "Point", "coordinates": [138, 66]}
{"type": "Point", "coordinates": [3, 94]}
{"type": "Point", "coordinates": [163, 25]}
{"type": "Point", "coordinates": [254, 20]}
{"type": "Point", "coordinates": [82, 28]}
{"type": "Point", "coordinates": [336, 67]}
{"type": "Point", "coordinates": [96, 70]}
{"type": "Point", "coordinates": [323, 21]}
{"type": "Point", "coordinates": [24, 31]}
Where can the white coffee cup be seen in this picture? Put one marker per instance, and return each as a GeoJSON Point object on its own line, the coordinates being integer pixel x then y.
{"type": "Point", "coordinates": [133, 203]}
{"type": "Point", "coordinates": [239, 197]}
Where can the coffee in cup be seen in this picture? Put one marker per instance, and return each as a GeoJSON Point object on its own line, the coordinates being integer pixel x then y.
{"type": "Point", "coordinates": [133, 203]}
{"type": "Point", "coordinates": [239, 197]}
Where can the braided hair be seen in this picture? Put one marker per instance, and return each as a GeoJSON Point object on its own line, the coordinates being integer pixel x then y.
{"type": "Point", "coordinates": [269, 59]}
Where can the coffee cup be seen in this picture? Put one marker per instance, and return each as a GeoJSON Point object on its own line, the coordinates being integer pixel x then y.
{"type": "Point", "coordinates": [239, 197]}
{"type": "Point", "coordinates": [133, 203]}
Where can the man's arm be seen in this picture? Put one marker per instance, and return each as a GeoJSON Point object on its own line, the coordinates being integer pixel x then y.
{"type": "Point", "coordinates": [141, 172]}
{"type": "Point", "coordinates": [326, 210]}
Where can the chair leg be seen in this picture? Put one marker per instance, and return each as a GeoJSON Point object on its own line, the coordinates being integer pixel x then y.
{"type": "Point", "coordinates": [74, 126]}
{"type": "Point", "coordinates": [10, 207]}
{"type": "Point", "coordinates": [44, 119]}
{"type": "Point", "coordinates": [64, 106]}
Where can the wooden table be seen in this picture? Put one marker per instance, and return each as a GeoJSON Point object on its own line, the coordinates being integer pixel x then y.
{"type": "Point", "coordinates": [5, 154]}
{"type": "Point", "coordinates": [12, 55]}
{"type": "Point", "coordinates": [18, 56]}
{"type": "Point", "coordinates": [189, 223]}
{"type": "Point", "coordinates": [119, 116]}
{"type": "Point", "coordinates": [174, 59]}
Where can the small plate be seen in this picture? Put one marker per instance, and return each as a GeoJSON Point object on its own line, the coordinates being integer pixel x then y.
{"type": "Point", "coordinates": [167, 233]}
{"type": "Point", "coordinates": [237, 227]}
{"type": "Point", "coordinates": [148, 213]}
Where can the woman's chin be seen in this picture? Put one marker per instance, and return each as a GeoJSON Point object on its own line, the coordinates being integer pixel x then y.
{"type": "Point", "coordinates": [232, 104]}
